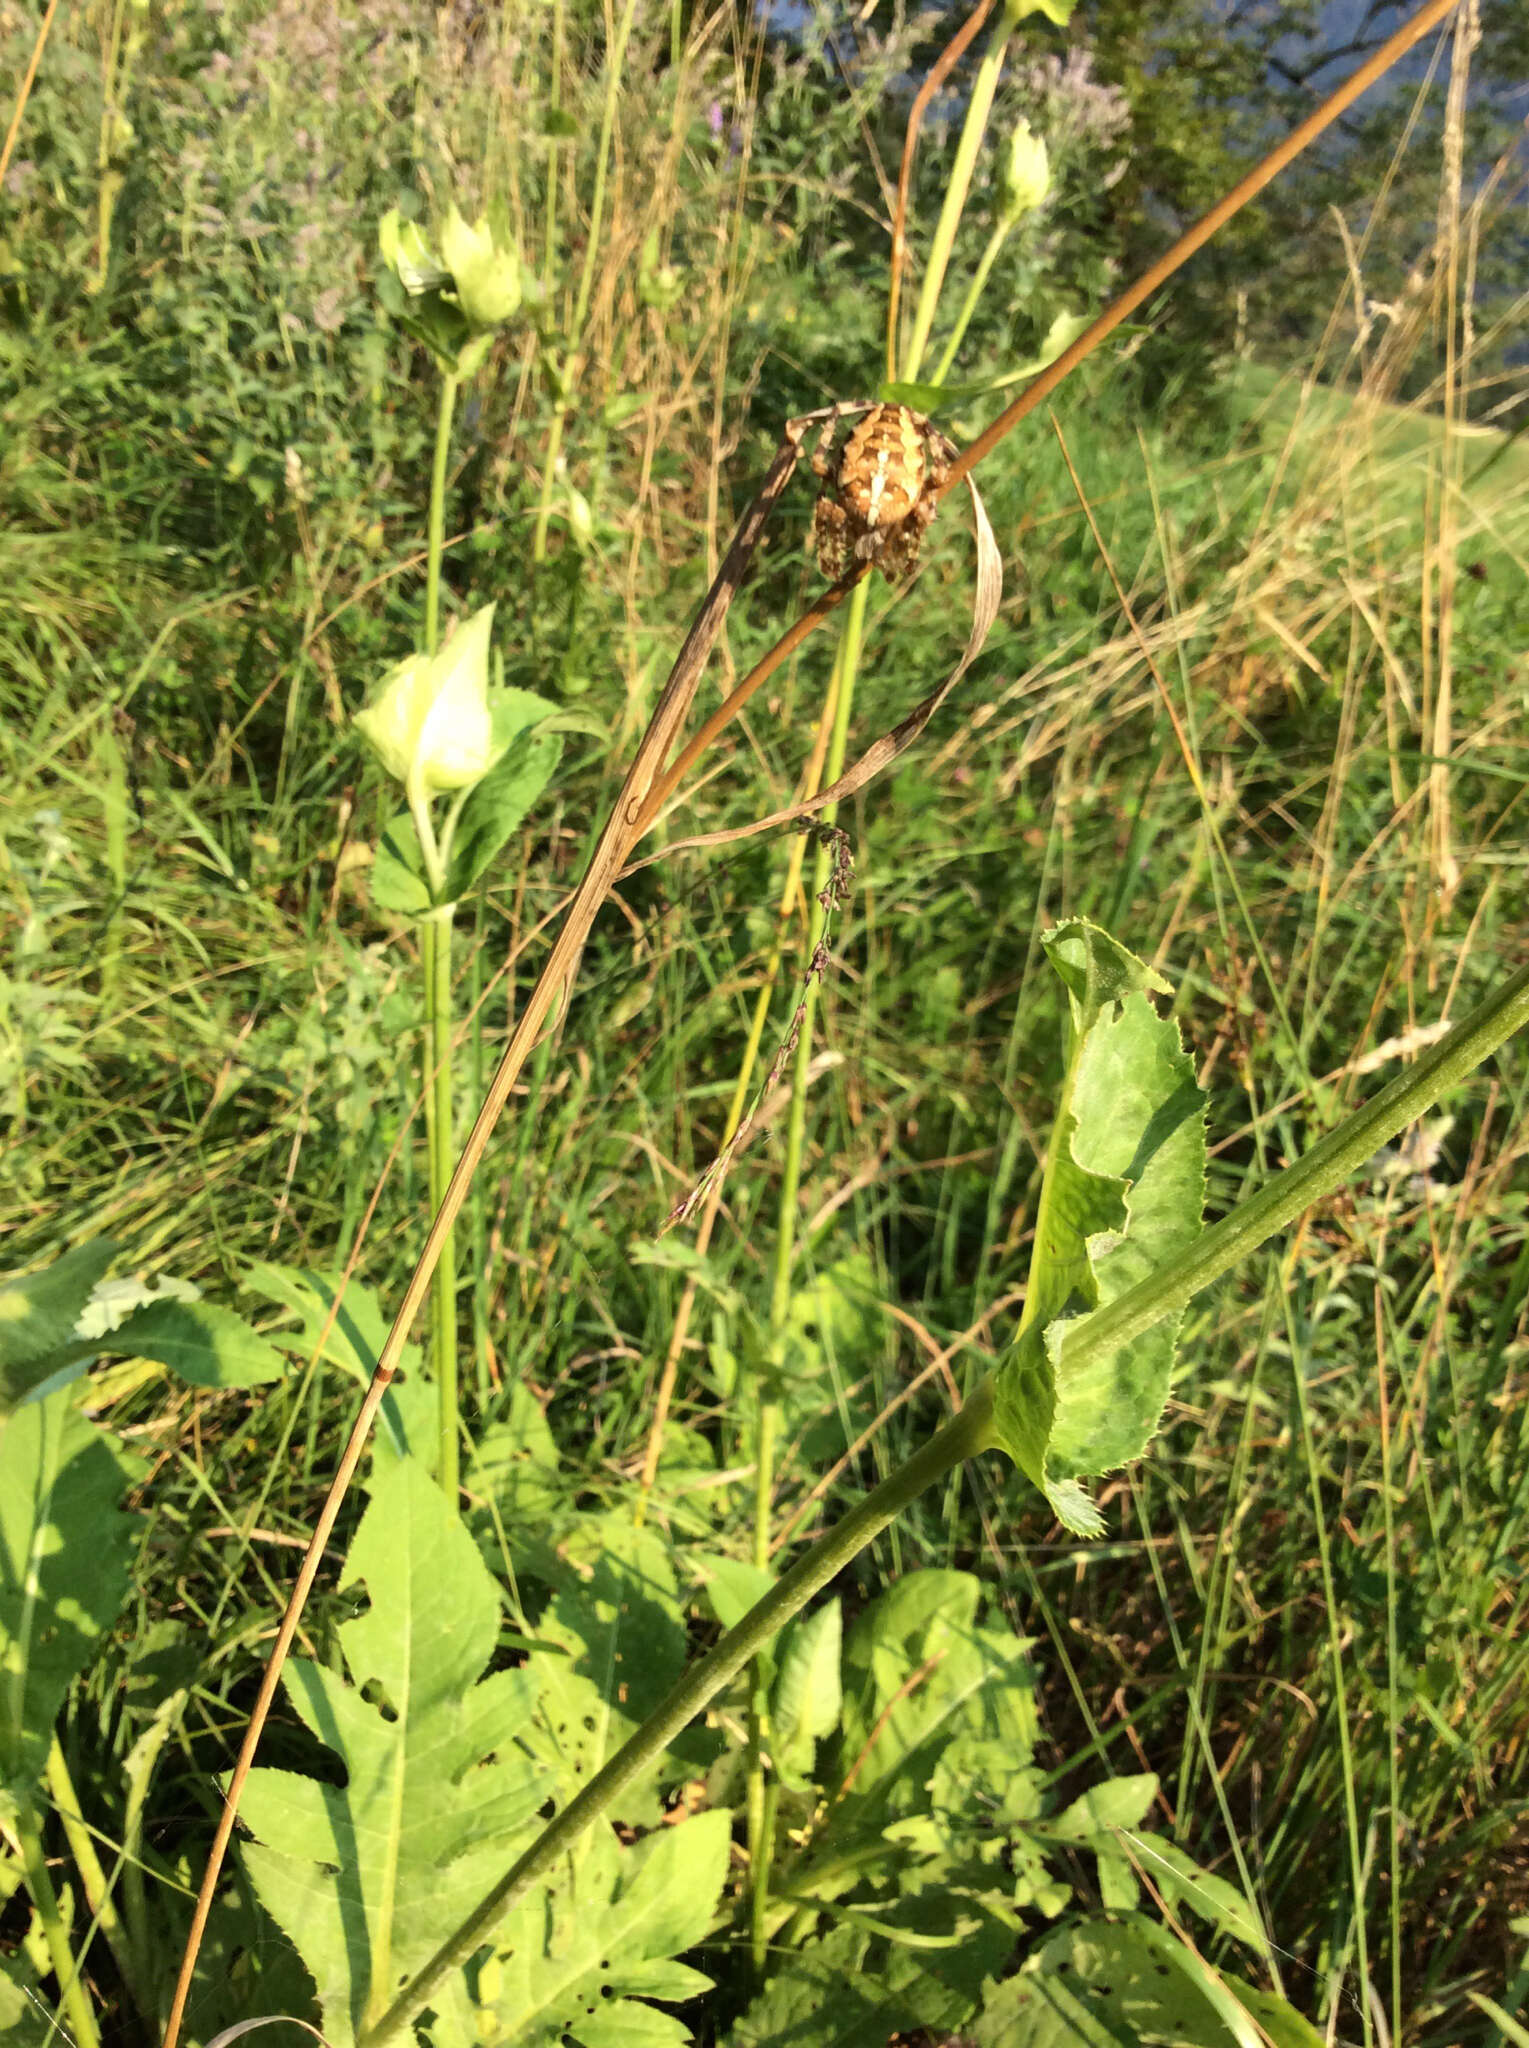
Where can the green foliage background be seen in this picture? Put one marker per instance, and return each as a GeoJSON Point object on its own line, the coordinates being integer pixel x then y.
{"type": "Point", "coordinates": [1308, 1611]}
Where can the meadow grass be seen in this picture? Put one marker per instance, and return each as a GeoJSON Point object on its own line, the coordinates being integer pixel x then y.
{"type": "Point", "coordinates": [1307, 1617]}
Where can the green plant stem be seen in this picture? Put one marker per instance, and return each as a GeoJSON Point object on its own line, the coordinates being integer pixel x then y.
{"type": "Point", "coordinates": [759, 1798]}
{"type": "Point", "coordinates": [978, 109]}
{"type": "Point", "coordinates": [961, 1438]}
{"type": "Point", "coordinates": [436, 531]}
{"type": "Point", "coordinates": [974, 290]}
{"type": "Point", "coordinates": [435, 969]}
{"type": "Point", "coordinates": [435, 960]}
{"type": "Point", "coordinates": [34, 1864]}
{"type": "Point", "coordinates": [1336, 1631]}
{"type": "Point", "coordinates": [98, 1891]}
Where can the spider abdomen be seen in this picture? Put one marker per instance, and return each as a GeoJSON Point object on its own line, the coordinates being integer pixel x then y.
{"type": "Point", "coordinates": [882, 469]}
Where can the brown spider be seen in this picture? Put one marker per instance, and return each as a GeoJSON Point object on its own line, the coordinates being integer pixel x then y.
{"type": "Point", "coordinates": [882, 491]}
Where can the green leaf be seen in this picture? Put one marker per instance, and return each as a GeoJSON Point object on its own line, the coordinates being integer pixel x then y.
{"type": "Point", "coordinates": [1117, 1803]}
{"type": "Point", "coordinates": [514, 1469]}
{"type": "Point", "coordinates": [26, 2017]}
{"type": "Point", "coordinates": [509, 789]}
{"type": "Point", "coordinates": [38, 1312]}
{"type": "Point", "coordinates": [398, 870]}
{"type": "Point", "coordinates": [350, 1337]}
{"type": "Point", "coordinates": [921, 1675]}
{"type": "Point", "coordinates": [570, 1963]}
{"type": "Point", "coordinates": [1096, 971]}
{"type": "Point", "coordinates": [1098, 1819]}
{"type": "Point", "coordinates": [851, 1989]}
{"type": "Point", "coordinates": [206, 1345]}
{"type": "Point", "coordinates": [936, 398]}
{"type": "Point", "coordinates": [805, 1701]}
{"type": "Point", "coordinates": [1122, 1198]}
{"type": "Point", "coordinates": [65, 1551]}
{"type": "Point", "coordinates": [1182, 1882]}
{"type": "Point", "coordinates": [369, 1877]}
{"type": "Point", "coordinates": [617, 1620]}
{"type": "Point", "coordinates": [733, 1586]}
{"type": "Point", "coordinates": [1097, 1983]}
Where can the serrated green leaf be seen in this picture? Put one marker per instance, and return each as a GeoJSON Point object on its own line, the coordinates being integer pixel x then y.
{"type": "Point", "coordinates": [1122, 1197]}
{"type": "Point", "coordinates": [1099, 1982]}
{"type": "Point", "coordinates": [199, 1342]}
{"type": "Point", "coordinates": [1096, 970]}
{"type": "Point", "coordinates": [851, 1990]}
{"type": "Point", "coordinates": [65, 1551]}
{"type": "Point", "coordinates": [367, 1879]}
{"type": "Point", "coordinates": [573, 1960]}
{"type": "Point", "coordinates": [38, 1312]}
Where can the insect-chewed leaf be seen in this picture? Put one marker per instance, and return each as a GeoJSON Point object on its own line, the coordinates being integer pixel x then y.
{"type": "Point", "coordinates": [615, 1629]}
{"type": "Point", "coordinates": [369, 1878]}
{"type": "Point", "coordinates": [1122, 1196]}
{"type": "Point", "coordinates": [1097, 1982]}
{"type": "Point", "coordinates": [579, 1961]}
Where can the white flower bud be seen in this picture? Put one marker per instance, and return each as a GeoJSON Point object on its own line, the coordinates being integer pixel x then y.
{"type": "Point", "coordinates": [486, 274]}
{"type": "Point", "coordinates": [1026, 174]}
{"type": "Point", "coordinates": [430, 718]}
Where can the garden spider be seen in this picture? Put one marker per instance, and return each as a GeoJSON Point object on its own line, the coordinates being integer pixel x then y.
{"type": "Point", "coordinates": [882, 490]}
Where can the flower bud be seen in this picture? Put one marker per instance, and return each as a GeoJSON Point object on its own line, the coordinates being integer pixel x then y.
{"type": "Point", "coordinates": [409, 256]}
{"type": "Point", "coordinates": [430, 721]}
{"type": "Point", "coordinates": [1026, 176]}
{"type": "Point", "coordinates": [486, 274]}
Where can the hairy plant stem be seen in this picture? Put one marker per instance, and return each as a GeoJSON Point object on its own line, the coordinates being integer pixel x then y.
{"type": "Point", "coordinates": [961, 1438]}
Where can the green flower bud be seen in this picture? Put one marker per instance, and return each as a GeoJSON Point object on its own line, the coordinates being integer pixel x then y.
{"type": "Point", "coordinates": [430, 721]}
{"type": "Point", "coordinates": [486, 273]}
{"type": "Point", "coordinates": [409, 256]}
{"type": "Point", "coordinates": [1026, 177]}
